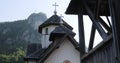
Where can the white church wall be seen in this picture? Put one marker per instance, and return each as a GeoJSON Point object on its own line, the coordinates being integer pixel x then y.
{"type": "Point", "coordinates": [45, 37]}
{"type": "Point", "coordinates": [50, 28]}
{"type": "Point", "coordinates": [66, 51]}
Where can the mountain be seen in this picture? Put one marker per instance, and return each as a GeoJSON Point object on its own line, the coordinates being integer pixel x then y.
{"type": "Point", "coordinates": [14, 37]}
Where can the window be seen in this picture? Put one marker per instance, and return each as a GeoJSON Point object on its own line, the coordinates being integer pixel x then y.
{"type": "Point", "coordinates": [66, 61]}
{"type": "Point", "coordinates": [46, 31]}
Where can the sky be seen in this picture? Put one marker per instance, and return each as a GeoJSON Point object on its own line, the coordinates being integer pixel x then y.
{"type": "Point", "coordinates": [11, 10]}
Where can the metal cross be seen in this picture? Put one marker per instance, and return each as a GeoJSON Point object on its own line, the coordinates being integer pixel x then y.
{"type": "Point", "coordinates": [55, 8]}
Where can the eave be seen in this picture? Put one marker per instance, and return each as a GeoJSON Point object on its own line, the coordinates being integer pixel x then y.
{"type": "Point", "coordinates": [74, 7]}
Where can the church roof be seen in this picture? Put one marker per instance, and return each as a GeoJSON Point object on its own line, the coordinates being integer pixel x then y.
{"type": "Point", "coordinates": [53, 20]}
{"type": "Point", "coordinates": [59, 31]}
{"type": "Point", "coordinates": [35, 55]}
{"type": "Point", "coordinates": [33, 51]}
{"type": "Point", "coordinates": [32, 47]}
{"type": "Point", "coordinates": [42, 55]}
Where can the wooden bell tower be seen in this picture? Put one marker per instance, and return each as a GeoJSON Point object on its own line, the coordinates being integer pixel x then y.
{"type": "Point", "coordinates": [108, 51]}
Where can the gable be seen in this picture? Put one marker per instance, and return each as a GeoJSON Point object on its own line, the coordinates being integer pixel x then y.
{"type": "Point", "coordinates": [66, 51]}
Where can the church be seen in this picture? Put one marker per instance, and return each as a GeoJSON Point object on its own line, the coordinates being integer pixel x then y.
{"type": "Point", "coordinates": [57, 45]}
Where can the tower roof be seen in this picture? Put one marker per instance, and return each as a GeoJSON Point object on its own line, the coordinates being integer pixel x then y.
{"type": "Point", "coordinates": [54, 20]}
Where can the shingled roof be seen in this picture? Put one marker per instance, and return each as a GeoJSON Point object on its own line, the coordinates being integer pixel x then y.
{"type": "Point", "coordinates": [33, 51]}
{"type": "Point", "coordinates": [32, 47]}
{"type": "Point", "coordinates": [53, 20]}
{"type": "Point", "coordinates": [59, 31]}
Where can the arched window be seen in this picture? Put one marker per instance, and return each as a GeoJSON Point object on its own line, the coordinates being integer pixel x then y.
{"type": "Point", "coordinates": [66, 61]}
{"type": "Point", "coordinates": [46, 31]}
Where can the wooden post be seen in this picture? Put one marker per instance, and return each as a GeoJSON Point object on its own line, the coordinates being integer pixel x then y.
{"type": "Point", "coordinates": [81, 29]}
{"type": "Point", "coordinates": [114, 6]}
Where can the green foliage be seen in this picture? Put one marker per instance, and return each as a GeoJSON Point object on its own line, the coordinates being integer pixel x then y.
{"type": "Point", "coordinates": [15, 56]}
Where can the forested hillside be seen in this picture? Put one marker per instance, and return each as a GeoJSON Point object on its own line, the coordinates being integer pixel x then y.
{"type": "Point", "coordinates": [14, 37]}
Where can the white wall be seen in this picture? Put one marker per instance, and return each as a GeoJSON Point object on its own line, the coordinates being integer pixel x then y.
{"type": "Point", "coordinates": [45, 38]}
{"type": "Point", "coordinates": [50, 28]}
{"type": "Point", "coordinates": [66, 51]}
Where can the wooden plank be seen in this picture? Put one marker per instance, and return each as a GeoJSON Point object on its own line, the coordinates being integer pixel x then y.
{"type": "Point", "coordinates": [100, 45]}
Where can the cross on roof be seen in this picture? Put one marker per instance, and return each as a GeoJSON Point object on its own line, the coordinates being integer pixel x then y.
{"type": "Point", "coordinates": [55, 8]}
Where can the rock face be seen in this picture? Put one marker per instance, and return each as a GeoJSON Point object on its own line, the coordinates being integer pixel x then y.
{"type": "Point", "coordinates": [16, 35]}
{"type": "Point", "coordinates": [36, 19]}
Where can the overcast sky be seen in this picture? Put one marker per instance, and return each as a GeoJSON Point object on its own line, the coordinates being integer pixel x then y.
{"type": "Point", "coordinates": [20, 9]}
{"type": "Point", "coordinates": [11, 10]}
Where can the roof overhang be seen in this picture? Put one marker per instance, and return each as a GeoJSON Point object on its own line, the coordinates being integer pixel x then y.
{"type": "Point", "coordinates": [74, 5]}
{"type": "Point", "coordinates": [30, 58]}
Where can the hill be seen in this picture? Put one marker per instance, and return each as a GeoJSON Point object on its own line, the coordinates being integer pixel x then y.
{"type": "Point", "coordinates": [14, 36]}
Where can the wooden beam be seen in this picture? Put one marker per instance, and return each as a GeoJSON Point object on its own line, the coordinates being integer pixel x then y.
{"type": "Point", "coordinates": [95, 22]}
{"type": "Point", "coordinates": [92, 38]}
{"type": "Point", "coordinates": [81, 34]}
